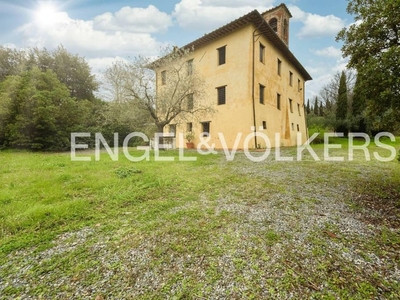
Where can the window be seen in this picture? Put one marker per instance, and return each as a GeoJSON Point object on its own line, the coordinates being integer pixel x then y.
{"type": "Point", "coordinates": [298, 108]}
{"type": "Point", "coordinates": [278, 101]}
{"type": "Point", "coordinates": [290, 78]}
{"type": "Point", "coordinates": [291, 105]}
{"type": "Point", "coordinates": [164, 77]}
{"type": "Point", "coordinates": [221, 95]}
{"type": "Point", "coordinates": [190, 67]}
{"type": "Point", "coordinates": [262, 53]}
{"type": "Point", "coordinates": [172, 129]}
{"type": "Point", "coordinates": [262, 90]}
{"type": "Point", "coordinates": [274, 24]}
{"type": "Point", "coordinates": [298, 127]}
{"type": "Point", "coordinates": [189, 127]}
{"type": "Point", "coordinates": [205, 126]}
{"type": "Point", "coordinates": [299, 85]}
{"type": "Point", "coordinates": [264, 124]}
{"type": "Point", "coordinates": [279, 67]}
{"type": "Point", "coordinates": [190, 102]}
{"type": "Point", "coordinates": [221, 55]}
{"type": "Point", "coordinates": [292, 126]}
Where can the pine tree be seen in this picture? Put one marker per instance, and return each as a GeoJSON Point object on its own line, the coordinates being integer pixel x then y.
{"type": "Point", "coordinates": [308, 107]}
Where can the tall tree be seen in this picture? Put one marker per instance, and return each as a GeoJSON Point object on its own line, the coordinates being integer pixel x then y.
{"type": "Point", "coordinates": [72, 70]}
{"type": "Point", "coordinates": [37, 112]}
{"type": "Point", "coordinates": [316, 108]}
{"type": "Point", "coordinates": [342, 106]}
{"type": "Point", "coordinates": [358, 108]}
{"type": "Point", "coordinates": [373, 45]}
{"type": "Point", "coordinates": [308, 107]}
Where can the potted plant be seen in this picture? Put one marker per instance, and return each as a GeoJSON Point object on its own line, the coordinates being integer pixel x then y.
{"type": "Point", "coordinates": [189, 137]}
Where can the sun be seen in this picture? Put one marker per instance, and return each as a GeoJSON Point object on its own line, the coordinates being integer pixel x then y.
{"type": "Point", "coordinates": [46, 14]}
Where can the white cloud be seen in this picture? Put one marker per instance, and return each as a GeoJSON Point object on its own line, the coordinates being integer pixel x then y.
{"type": "Point", "coordinates": [80, 36]}
{"type": "Point", "coordinates": [315, 25]}
{"type": "Point", "coordinates": [210, 14]}
{"type": "Point", "coordinates": [330, 52]}
{"type": "Point", "coordinates": [143, 20]}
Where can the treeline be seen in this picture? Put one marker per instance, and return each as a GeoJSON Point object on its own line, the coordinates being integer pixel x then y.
{"type": "Point", "coordinates": [344, 105]}
{"type": "Point", "coordinates": [47, 95]}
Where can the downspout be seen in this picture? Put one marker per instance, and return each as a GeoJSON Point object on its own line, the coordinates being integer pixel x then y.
{"type": "Point", "coordinates": [253, 89]}
{"type": "Point", "coordinates": [305, 110]}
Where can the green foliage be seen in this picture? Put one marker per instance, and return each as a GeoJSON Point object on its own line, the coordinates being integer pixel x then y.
{"type": "Point", "coordinates": [124, 172]}
{"type": "Point", "coordinates": [44, 97]}
{"type": "Point", "coordinates": [316, 108]}
{"type": "Point", "coordinates": [72, 70]}
{"type": "Point", "coordinates": [342, 106]}
{"type": "Point", "coordinates": [38, 113]}
{"type": "Point", "coordinates": [372, 44]}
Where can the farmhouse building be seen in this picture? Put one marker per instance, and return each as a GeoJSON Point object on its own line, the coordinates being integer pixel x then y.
{"type": "Point", "coordinates": [256, 84]}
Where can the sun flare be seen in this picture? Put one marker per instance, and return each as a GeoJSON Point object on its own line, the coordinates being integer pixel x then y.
{"type": "Point", "coordinates": [46, 14]}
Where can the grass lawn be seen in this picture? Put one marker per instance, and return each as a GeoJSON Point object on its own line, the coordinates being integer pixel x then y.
{"type": "Point", "coordinates": [201, 229]}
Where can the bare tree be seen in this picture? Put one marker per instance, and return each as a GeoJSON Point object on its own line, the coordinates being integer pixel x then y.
{"type": "Point", "coordinates": [177, 96]}
{"type": "Point", "coordinates": [114, 80]}
{"type": "Point", "coordinates": [329, 92]}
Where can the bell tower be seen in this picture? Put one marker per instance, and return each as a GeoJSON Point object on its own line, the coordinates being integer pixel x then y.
{"type": "Point", "coordinates": [278, 18]}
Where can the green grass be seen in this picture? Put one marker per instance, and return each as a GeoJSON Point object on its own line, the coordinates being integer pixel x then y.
{"type": "Point", "coordinates": [197, 226]}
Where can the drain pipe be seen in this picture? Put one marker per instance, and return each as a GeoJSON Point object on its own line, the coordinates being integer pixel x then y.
{"type": "Point", "coordinates": [253, 89]}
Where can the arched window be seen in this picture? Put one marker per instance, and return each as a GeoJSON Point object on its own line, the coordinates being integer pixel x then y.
{"type": "Point", "coordinates": [274, 24]}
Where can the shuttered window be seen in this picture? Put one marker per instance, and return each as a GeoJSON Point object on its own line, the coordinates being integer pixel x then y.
{"type": "Point", "coordinates": [221, 91]}
{"type": "Point", "coordinates": [221, 55]}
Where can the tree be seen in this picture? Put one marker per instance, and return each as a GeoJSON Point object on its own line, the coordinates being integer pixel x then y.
{"type": "Point", "coordinates": [12, 62]}
{"type": "Point", "coordinates": [373, 45]}
{"type": "Point", "coordinates": [358, 121]}
{"type": "Point", "coordinates": [72, 70]}
{"type": "Point", "coordinates": [342, 106]}
{"type": "Point", "coordinates": [316, 109]}
{"type": "Point", "coordinates": [38, 113]}
{"type": "Point", "coordinates": [169, 102]}
{"type": "Point", "coordinates": [308, 109]}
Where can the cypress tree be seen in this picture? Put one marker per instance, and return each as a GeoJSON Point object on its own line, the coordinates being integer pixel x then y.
{"type": "Point", "coordinates": [342, 106]}
{"type": "Point", "coordinates": [316, 110]}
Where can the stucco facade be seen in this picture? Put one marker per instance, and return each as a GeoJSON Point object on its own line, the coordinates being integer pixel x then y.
{"type": "Point", "coordinates": [262, 81]}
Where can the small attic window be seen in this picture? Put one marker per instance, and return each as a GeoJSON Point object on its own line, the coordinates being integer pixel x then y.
{"type": "Point", "coordinates": [274, 24]}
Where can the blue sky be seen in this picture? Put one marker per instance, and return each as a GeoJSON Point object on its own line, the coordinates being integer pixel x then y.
{"type": "Point", "coordinates": [103, 31]}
